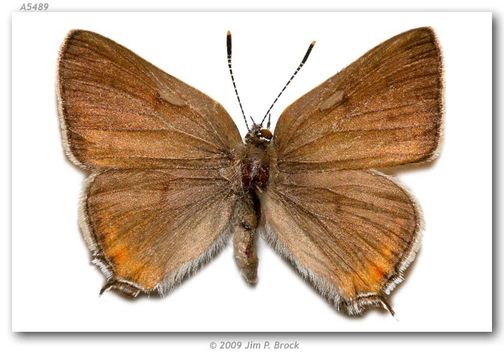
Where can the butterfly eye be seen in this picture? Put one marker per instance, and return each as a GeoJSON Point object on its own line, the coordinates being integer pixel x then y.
{"type": "Point", "coordinates": [265, 133]}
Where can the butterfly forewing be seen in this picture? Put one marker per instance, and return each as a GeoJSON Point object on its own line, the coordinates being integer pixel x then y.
{"type": "Point", "coordinates": [160, 198]}
{"type": "Point", "coordinates": [120, 111]}
{"type": "Point", "coordinates": [382, 110]}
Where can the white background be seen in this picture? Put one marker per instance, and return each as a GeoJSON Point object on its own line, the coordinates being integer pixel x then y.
{"type": "Point", "coordinates": [355, 346]}
{"type": "Point", "coordinates": [55, 289]}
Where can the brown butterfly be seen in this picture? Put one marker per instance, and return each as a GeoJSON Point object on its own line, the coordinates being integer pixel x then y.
{"type": "Point", "coordinates": [170, 179]}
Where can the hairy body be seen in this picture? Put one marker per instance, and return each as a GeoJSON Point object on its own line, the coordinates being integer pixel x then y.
{"type": "Point", "coordinates": [254, 168]}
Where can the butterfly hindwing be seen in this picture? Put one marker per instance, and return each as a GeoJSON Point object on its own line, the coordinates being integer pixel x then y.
{"type": "Point", "coordinates": [351, 233]}
{"type": "Point", "coordinates": [151, 228]}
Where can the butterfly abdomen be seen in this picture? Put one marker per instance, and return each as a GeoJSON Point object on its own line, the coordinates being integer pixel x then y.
{"type": "Point", "coordinates": [244, 244]}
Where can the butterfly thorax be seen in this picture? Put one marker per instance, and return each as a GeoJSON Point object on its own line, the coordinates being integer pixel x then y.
{"type": "Point", "coordinates": [255, 162]}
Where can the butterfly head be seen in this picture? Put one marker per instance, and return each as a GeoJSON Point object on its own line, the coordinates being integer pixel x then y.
{"type": "Point", "coordinates": [258, 135]}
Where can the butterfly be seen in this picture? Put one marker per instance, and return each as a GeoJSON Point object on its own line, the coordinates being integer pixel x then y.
{"type": "Point", "coordinates": [170, 180]}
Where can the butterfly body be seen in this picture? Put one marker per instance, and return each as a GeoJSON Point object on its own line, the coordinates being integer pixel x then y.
{"type": "Point", "coordinates": [170, 181]}
{"type": "Point", "coordinates": [254, 164]}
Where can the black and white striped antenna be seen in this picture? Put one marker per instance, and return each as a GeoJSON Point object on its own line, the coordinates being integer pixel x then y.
{"type": "Point", "coordinates": [229, 53]}
{"type": "Point", "coordinates": [287, 84]}
{"type": "Point", "coordinates": [229, 56]}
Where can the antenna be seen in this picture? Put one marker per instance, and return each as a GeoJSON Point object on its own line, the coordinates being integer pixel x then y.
{"type": "Point", "coordinates": [229, 51]}
{"type": "Point", "coordinates": [288, 82]}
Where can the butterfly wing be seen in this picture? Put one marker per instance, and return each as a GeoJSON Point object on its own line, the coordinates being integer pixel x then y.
{"type": "Point", "coordinates": [351, 233]}
{"type": "Point", "coordinates": [383, 110]}
{"type": "Point", "coordinates": [119, 111]}
{"type": "Point", "coordinates": [149, 229]}
{"type": "Point", "coordinates": [160, 197]}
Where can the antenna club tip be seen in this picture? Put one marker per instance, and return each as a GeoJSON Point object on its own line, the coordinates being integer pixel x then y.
{"type": "Point", "coordinates": [313, 43]}
{"type": "Point", "coordinates": [228, 33]}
